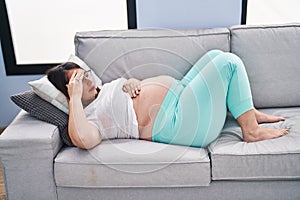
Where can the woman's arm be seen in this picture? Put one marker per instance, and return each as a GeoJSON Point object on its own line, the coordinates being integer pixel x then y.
{"type": "Point", "coordinates": [82, 133]}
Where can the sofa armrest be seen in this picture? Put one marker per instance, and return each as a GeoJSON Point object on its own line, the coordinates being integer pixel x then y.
{"type": "Point", "coordinates": [27, 150]}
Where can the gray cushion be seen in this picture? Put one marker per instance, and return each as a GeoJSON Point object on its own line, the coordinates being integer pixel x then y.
{"type": "Point", "coordinates": [132, 163]}
{"type": "Point", "coordinates": [233, 159]}
{"type": "Point", "coordinates": [271, 56]}
{"type": "Point", "coordinates": [146, 53]}
{"type": "Point", "coordinates": [41, 109]}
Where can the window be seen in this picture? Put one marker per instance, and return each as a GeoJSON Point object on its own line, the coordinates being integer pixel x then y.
{"type": "Point", "coordinates": [273, 11]}
{"type": "Point", "coordinates": [48, 28]}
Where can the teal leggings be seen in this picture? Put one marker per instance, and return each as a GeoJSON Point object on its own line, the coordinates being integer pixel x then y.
{"type": "Point", "coordinates": [194, 110]}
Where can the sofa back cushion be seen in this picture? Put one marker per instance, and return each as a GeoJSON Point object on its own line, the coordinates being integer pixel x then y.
{"type": "Point", "coordinates": [146, 53]}
{"type": "Point", "coordinates": [272, 58]}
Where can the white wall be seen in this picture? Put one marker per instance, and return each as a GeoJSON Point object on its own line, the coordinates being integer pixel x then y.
{"type": "Point", "coordinates": [188, 13]}
{"type": "Point", "coordinates": [150, 13]}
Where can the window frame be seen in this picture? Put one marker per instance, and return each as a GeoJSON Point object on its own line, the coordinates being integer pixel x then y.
{"type": "Point", "coordinates": [244, 12]}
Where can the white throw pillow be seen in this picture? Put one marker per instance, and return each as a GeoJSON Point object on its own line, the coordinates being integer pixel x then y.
{"type": "Point", "coordinates": [47, 91]}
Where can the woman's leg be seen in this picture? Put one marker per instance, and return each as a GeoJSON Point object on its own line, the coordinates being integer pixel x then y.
{"type": "Point", "coordinates": [199, 65]}
{"type": "Point", "coordinates": [237, 97]}
{"type": "Point", "coordinates": [221, 81]}
{"type": "Point", "coordinates": [202, 103]}
{"type": "Point", "coordinates": [202, 62]}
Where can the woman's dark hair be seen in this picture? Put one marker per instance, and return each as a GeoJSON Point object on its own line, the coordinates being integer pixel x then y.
{"type": "Point", "coordinates": [58, 76]}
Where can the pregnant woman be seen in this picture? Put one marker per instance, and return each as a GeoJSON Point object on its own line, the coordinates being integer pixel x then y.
{"type": "Point", "coordinates": [189, 112]}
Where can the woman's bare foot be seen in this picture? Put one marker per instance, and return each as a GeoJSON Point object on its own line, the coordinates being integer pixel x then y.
{"type": "Point", "coordinates": [252, 132]}
{"type": "Point", "coordinates": [261, 133]}
{"type": "Point", "coordinates": [266, 118]}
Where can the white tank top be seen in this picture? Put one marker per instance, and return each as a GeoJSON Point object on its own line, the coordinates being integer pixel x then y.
{"type": "Point", "coordinates": [112, 112]}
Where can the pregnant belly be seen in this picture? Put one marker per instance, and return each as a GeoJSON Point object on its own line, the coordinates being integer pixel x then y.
{"type": "Point", "coordinates": [148, 102]}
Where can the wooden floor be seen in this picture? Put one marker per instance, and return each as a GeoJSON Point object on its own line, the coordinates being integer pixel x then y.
{"type": "Point", "coordinates": [2, 186]}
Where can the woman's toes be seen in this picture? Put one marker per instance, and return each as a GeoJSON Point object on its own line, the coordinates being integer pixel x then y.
{"type": "Point", "coordinates": [282, 118]}
{"type": "Point", "coordinates": [284, 131]}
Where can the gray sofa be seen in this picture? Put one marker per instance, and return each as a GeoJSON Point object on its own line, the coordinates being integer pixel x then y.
{"type": "Point", "coordinates": [37, 165]}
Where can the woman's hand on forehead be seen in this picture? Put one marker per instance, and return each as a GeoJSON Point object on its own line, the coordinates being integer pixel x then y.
{"type": "Point", "coordinates": [75, 83]}
{"type": "Point", "coordinates": [74, 73]}
{"type": "Point", "coordinates": [79, 74]}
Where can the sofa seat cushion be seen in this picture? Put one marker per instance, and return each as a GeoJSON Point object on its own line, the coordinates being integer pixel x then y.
{"type": "Point", "coordinates": [233, 159]}
{"type": "Point", "coordinates": [132, 163]}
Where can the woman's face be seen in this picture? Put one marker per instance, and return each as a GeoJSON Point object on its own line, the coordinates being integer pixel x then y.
{"type": "Point", "coordinates": [89, 90]}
